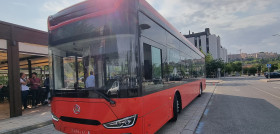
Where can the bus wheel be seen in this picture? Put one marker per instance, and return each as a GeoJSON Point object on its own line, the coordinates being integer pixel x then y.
{"type": "Point", "coordinates": [200, 91]}
{"type": "Point", "coordinates": [176, 108]}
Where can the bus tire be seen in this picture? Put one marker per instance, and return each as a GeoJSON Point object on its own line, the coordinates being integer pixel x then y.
{"type": "Point", "coordinates": [200, 91]}
{"type": "Point", "coordinates": [176, 108]}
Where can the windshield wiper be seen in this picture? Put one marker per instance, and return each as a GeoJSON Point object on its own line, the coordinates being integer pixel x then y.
{"type": "Point", "coordinates": [112, 102]}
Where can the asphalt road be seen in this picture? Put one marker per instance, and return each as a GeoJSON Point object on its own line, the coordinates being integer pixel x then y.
{"type": "Point", "coordinates": [242, 106]}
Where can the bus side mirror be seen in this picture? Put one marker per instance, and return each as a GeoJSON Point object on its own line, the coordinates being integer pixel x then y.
{"type": "Point", "coordinates": [144, 26]}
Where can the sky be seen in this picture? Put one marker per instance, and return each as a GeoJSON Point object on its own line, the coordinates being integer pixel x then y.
{"type": "Point", "coordinates": [241, 24]}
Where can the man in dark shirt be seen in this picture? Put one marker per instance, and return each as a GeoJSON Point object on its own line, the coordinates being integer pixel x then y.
{"type": "Point", "coordinates": [35, 89]}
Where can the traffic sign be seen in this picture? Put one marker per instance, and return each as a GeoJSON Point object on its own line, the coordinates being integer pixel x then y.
{"type": "Point", "coordinates": [268, 65]}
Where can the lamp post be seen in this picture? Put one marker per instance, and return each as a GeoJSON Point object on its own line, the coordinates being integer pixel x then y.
{"type": "Point", "coordinates": [241, 62]}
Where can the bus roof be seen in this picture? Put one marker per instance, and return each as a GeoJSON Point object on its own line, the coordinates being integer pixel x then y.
{"type": "Point", "coordinates": [145, 7]}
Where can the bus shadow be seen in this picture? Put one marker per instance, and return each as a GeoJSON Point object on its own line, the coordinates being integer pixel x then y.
{"type": "Point", "coordinates": [233, 84]}
{"type": "Point", "coordinates": [242, 78]}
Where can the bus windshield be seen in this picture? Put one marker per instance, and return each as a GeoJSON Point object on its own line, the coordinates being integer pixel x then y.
{"type": "Point", "coordinates": [103, 63]}
{"type": "Point", "coordinates": [95, 54]}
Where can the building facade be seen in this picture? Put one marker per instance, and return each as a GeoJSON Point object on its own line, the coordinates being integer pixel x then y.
{"type": "Point", "coordinates": [208, 43]}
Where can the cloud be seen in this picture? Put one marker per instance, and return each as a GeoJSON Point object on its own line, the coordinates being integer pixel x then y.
{"type": "Point", "coordinates": [227, 18]}
{"type": "Point", "coordinates": [50, 7]}
{"type": "Point", "coordinates": [57, 5]}
{"type": "Point", "coordinates": [214, 13]}
{"type": "Point", "coordinates": [254, 21]}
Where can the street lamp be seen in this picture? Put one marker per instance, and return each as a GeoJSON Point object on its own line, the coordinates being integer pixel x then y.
{"type": "Point", "coordinates": [241, 62]}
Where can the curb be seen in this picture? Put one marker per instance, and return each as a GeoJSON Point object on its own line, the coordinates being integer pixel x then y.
{"type": "Point", "coordinates": [28, 128]}
{"type": "Point", "coordinates": [269, 80]}
{"type": "Point", "coordinates": [191, 128]}
{"type": "Point", "coordinates": [201, 115]}
{"type": "Point", "coordinates": [216, 82]}
{"type": "Point", "coordinates": [272, 80]}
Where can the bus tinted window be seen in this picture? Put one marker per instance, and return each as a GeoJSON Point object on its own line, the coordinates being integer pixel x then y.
{"type": "Point", "coordinates": [155, 32]}
{"type": "Point", "coordinates": [180, 64]}
{"type": "Point", "coordinates": [152, 76]}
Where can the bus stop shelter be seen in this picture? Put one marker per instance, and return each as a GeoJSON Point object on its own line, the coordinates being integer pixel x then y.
{"type": "Point", "coordinates": [21, 49]}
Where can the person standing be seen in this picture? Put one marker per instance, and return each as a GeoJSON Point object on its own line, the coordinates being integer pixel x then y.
{"type": "Point", "coordinates": [90, 82]}
{"type": "Point", "coordinates": [24, 89]}
{"type": "Point", "coordinates": [47, 86]}
{"type": "Point", "coordinates": [35, 89]}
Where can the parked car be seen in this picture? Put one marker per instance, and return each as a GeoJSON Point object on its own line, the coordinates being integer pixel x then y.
{"type": "Point", "coordinates": [114, 88]}
{"type": "Point", "coordinates": [272, 75]}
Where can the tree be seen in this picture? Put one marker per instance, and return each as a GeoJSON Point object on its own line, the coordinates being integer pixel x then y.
{"type": "Point", "coordinates": [237, 66]}
{"type": "Point", "coordinates": [208, 58]}
{"type": "Point", "coordinates": [274, 65]}
{"type": "Point", "coordinates": [252, 71]}
{"type": "Point", "coordinates": [246, 70]}
{"type": "Point", "coordinates": [228, 68]}
{"type": "Point", "coordinates": [212, 67]}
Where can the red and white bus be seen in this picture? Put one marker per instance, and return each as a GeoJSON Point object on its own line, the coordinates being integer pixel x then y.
{"type": "Point", "coordinates": [117, 66]}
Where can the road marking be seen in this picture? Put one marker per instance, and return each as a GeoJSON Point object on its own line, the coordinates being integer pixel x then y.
{"type": "Point", "coordinates": [206, 112]}
{"type": "Point", "coordinates": [199, 128]}
{"type": "Point", "coordinates": [277, 87]}
{"type": "Point", "coordinates": [267, 92]}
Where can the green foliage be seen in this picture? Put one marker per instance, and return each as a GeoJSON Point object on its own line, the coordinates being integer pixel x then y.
{"type": "Point", "coordinates": [237, 66]}
{"type": "Point", "coordinates": [208, 58]}
{"type": "Point", "coordinates": [246, 70]}
{"type": "Point", "coordinates": [213, 65]}
{"type": "Point", "coordinates": [156, 71]}
{"type": "Point", "coordinates": [274, 65]}
{"type": "Point", "coordinates": [252, 71]}
{"type": "Point", "coordinates": [260, 65]}
{"type": "Point", "coordinates": [228, 68]}
{"type": "Point", "coordinates": [257, 66]}
{"type": "Point", "coordinates": [4, 80]}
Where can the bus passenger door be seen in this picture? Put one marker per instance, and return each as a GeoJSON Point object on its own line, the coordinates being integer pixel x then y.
{"type": "Point", "coordinates": [156, 102]}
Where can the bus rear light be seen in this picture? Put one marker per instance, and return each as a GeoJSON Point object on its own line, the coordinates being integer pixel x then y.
{"type": "Point", "coordinates": [54, 117]}
{"type": "Point", "coordinates": [122, 123]}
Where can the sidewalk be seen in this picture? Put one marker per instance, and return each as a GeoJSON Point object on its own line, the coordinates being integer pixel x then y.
{"type": "Point", "coordinates": [215, 81]}
{"type": "Point", "coordinates": [189, 117]}
{"type": "Point", "coordinates": [31, 119]}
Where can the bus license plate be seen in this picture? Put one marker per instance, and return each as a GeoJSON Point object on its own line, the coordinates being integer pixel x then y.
{"type": "Point", "coordinates": [79, 131]}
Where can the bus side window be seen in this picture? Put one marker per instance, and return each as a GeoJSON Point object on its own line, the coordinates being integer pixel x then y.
{"type": "Point", "coordinates": [152, 66]}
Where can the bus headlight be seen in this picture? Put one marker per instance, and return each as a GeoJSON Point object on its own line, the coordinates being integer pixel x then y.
{"type": "Point", "coordinates": [54, 117]}
{"type": "Point", "coordinates": [122, 123]}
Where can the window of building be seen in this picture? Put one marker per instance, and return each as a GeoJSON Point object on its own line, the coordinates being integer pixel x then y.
{"type": "Point", "coordinates": [195, 42]}
{"type": "Point", "coordinates": [199, 42]}
{"type": "Point", "coordinates": [207, 44]}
